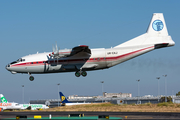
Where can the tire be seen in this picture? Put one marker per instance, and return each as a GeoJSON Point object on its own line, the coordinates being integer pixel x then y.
{"type": "Point", "coordinates": [77, 74]}
{"type": "Point", "coordinates": [84, 73]}
{"type": "Point", "coordinates": [31, 78]}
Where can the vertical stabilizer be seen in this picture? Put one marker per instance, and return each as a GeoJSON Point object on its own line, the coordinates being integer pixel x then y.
{"type": "Point", "coordinates": [156, 35]}
{"type": "Point", "coordinates": [3, 99]}
{"type": "Point", "coordinates": [157, 26]}
{"type": "Point", "coordinates": [63, 98]}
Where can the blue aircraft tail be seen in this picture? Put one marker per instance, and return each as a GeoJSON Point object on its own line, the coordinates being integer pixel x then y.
{"type": "Point", "coordinates": [63, 98]}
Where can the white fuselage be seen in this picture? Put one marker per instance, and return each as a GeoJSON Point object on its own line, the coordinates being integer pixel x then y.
{"type": "Point", "coordinates": [99, 59]}
{"type": "Point", "coordinates": [70, 104]}
{"type": "Point", "coordinates": [10, 106]}
{"type": "Point", "coordinates": [34, 106]}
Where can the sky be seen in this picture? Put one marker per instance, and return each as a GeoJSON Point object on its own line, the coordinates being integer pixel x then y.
{"type": "Point", "coordinates": [28, 27]}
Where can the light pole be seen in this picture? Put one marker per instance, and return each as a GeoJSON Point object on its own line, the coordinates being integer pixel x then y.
{"type": "Point", "coordinates": [58, 93]}
{"type": "Point", "coordinates": [23, 93]}
{"type": "Point", "coordinates": [138, 90]}
{"type": "Point", "coordinates": [102, 90]}
{"type": "Point", "coordinates": [165, 88]}
{"type": "Point", "coordinates": [158, 87]}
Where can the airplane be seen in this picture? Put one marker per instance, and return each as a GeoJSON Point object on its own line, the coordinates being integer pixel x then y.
{"type": "Point", "coordinates": [64, 101]}
{"type": "Point", "coordinates": [11, 106]}
{"type": "Point", "coordinates": [5, 105]}
{"type": "Point", "coordinates": [33, 106]}
{"type": "Point", "coordinates": [81, 58]}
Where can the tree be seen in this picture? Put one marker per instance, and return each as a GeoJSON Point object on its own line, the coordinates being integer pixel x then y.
{"type": "Point", "coordinates": [178, 94]}
{"type": "Point", "coordinates": [169, 99]}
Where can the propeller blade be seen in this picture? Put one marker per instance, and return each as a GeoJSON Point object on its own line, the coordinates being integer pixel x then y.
{"type": "Point", "coordinates": [56, 47]}
{"type": "Point", "coordinates": [53, 49]}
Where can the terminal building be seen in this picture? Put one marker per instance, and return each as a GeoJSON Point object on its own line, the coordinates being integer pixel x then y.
{"type": "Point", "coordinates": [115, 98]}
{"type": "Point", "coordinates": [117, 95]}
{"type": "Point", "coordinates": [79, 97]}
{"type": "Point", "coordinates": [105, 95]}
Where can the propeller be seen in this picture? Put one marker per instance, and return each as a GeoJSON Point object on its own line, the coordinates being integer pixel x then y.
{"type": "Point", "coordinates": [55, 53]}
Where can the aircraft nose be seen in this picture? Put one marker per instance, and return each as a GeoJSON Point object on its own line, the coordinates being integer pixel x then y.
{"type": "Point", "coordinates": [7, 66]}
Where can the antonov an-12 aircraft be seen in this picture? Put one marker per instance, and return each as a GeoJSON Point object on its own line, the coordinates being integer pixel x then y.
{"type": "Point", "coordinates": [81, 59]}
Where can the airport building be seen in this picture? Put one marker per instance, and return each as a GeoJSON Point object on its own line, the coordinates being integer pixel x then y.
{"type": "Point", "coordinates": [105, 95]}
{"type": "Point", "coordinates": [116, 98]}
{"type": "Point", "coordinates": [79, 97]}
{"type": "Point", "coordinates": [176, 99]}
{"type": "Point", "coordinates": [117, 95]}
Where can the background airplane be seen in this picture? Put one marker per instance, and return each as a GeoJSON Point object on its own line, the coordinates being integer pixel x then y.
{"type": "Point", "coordinates": [5, 105]}
{"type": "Point", "coordinates": [81, 59]}
{"type": "Point", "coordinates": [33, 106]}
{"type": "Point", "coordinates": [64, 101]}
{"type": "Point", "coordinates": [11, 106]}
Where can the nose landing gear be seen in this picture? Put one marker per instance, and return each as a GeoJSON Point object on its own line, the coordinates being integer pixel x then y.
{"type": "Point", "coordinates": [31, 78]}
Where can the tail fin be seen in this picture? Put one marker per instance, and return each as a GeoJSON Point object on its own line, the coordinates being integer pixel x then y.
{"type": "Point", "coordinates": [156, 35]}
{"type": "Point", "coordinates": [3, 99]}
{"type": "Point", "coordinates": [63, 98]}
{"type": "Point", "coordinates": [157, 26]}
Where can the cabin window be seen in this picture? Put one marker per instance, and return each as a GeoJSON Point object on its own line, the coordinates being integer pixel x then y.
{"type": "Point", "coordinates": [94, 58]}
{"type": "Point", "coordinates": [31, 62]}
{"type": "Point", "coordinates": [37, 62]}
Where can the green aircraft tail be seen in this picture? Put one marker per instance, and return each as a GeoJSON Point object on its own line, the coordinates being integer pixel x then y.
{"type": "Point", "coordinates": [3, 99]}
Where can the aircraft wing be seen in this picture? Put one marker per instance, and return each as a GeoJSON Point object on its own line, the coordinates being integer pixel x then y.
{"type": "Point", "coordinates": [79, 49]}
{"type": "Point", "coordinates": [67, 53]}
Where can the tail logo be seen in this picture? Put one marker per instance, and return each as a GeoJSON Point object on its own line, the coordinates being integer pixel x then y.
{"type": "Point", "coordinates": [62, 98]}
{"type": "Point", "coordinates": [3, 100]}
{"type": "Point", "coordinates": [157, 25]}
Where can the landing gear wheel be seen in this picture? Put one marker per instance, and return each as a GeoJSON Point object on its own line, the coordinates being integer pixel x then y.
{"type": "Point", "coordinates": [31, 78]}
{"type": "Point", "coordinates": [84, 73]}
{"type": "Point", "coordinates": [77, 74]}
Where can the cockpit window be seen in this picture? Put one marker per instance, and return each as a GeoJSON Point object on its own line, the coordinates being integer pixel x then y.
{"type": "Point", "coordinates": [20, 60]}
{"type": "Point", "coordinates": [13, 62]}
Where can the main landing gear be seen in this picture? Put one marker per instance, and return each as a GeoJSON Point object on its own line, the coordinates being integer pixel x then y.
{"type": "Point", "coordinates": [31, 78]}
{"type": "Point", "coordinates": [79, 73]}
